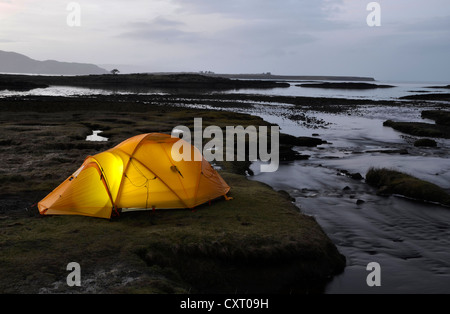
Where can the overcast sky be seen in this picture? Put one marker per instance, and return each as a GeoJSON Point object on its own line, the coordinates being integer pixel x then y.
{"type": "Point", "coordinates": [304, 37]}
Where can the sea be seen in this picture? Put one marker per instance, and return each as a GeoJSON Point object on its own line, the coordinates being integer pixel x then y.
{"type": "Point", "coordinates": [409, 240]}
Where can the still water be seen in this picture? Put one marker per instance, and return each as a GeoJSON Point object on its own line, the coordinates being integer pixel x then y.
{"type": "Point", "coordinates": [400, 89]}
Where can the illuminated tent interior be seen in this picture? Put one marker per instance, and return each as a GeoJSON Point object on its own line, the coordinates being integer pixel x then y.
{"type": "Point", "coordinates": [139, 173]}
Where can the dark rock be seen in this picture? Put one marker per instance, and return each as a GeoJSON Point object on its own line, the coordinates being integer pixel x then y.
{"type": "Point", "coordinates": [288, 142]}
{"type": "Point", "coordinates": [359, 202]}
{"type": "Point", "coordinates": [288, 154]}
{"type": "Point", "coordinates": [425, 142]}
{"type": "Point", "coordinates": [300, 140]}
{"type": "Point", "coordinates": [440, 96]}
{"type": "Point", "coordinates": [440, 87]}
{"type": "Point", "coordinates": [402, 151]}
{"type": "Point", "coordinates": [356, 176]}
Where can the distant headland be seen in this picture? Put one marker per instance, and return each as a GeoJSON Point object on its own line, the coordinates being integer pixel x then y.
{"type": "Point", "coordinates": [270, 76]}
{"type": "Point", "coordinates": [12, 62]}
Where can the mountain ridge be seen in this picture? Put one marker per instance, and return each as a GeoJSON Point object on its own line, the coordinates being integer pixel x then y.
{"type": "Point", "coordinates": [13, 62]}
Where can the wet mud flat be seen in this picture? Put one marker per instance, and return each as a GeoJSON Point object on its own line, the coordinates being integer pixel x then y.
{"type": "Point", "coordinates": [257, 242]}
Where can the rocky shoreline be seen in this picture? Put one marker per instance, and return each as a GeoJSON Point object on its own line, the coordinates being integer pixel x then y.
{"type": "Point", "coordinates": [20, 86]}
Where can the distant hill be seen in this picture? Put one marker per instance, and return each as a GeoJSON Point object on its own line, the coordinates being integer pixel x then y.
{"type": "Point", "coordinates": [12, 62]}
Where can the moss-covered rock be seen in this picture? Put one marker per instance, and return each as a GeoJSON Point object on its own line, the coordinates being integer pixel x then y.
{"type": "Point", "coordinates": [441, 117]}
{"type": "Point", "coordinates": [420, 128]}
{"type": "Point", "coordinates": [394, 182]}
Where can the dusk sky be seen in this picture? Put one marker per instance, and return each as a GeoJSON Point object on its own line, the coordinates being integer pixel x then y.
{"type": "Point", "coordinates": [314, 37]}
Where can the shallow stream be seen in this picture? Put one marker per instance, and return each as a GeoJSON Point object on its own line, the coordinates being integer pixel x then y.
{"type": "Point", "coordinates": [409, 239]}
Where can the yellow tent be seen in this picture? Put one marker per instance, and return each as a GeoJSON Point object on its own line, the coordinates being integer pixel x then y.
{"type": "Point", "coordinates": [139, 173]}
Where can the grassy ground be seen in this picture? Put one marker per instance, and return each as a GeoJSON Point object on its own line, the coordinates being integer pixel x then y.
{"type": "Point", "coordinates": [257, 242]}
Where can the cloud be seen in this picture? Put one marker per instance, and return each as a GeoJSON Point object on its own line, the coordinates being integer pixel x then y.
{"type": "Point", "coordinates": [426, 25]}
{"type": "Point", "coordinates": [159, 29]}
{"type": "Point", "coordinates": [299, 13]}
